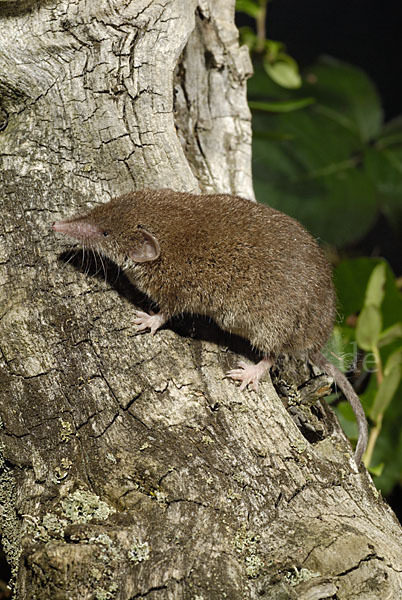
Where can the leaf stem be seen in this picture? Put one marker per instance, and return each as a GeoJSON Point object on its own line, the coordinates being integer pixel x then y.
{"type": "Point", "coordinates": [374, 433]}
{"type": "Point", "coordinates": [379, 372]}
{"type": "Point", "coordinates": [260, 24]}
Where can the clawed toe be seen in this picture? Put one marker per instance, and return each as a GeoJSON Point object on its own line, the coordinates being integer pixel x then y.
{"type": "Point", "coordinates": [249, 374]}
{"type": "Point", "coordinates": [245, 374]}
{"type": "Point", "coordinates": [150, 321]}
{"type": "Point", "coordinates": [236, 374]}
{"type": "Point", "coordinates": [141, 320]}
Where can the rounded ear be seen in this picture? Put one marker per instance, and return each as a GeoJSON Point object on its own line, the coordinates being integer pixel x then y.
{"type": "Point", "coordinates": [146, 248]}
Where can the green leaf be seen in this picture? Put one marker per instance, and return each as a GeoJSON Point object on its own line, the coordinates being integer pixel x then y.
{"type": "Point", "coordinates": [383, 165]}
{"type": "Point", "coordinates": [319, 183]}
{"type": "Point", "coordinates": [347, 419]}
{"type": "Point", "coordinates": [259, 86]}
{"type": "Point", "coordinates": [341, 169]}
{"type": "Point", "coordinates": [377, 470]}
{"type": "Point", "coordinates": [391, 134]}
{"type": "Point", "coordinates": [351, 278]}
{"type": "Point", "coordinates": [390, 334]}
{"type": "Point", "coordinates": [369, 394]}
{"type": "Point", "coordinates": [348, 95]}
{"type": "Point", "coordinates": [276, 136]}
{"type": "Point", "coordinates": [284, 71]}
{"type": "Point", "coordinates": [394, 361]}
{"type": "Point", "coordinates": [248, 37]}
{"type": "Point", "coordinates": [281, 106]}
{"type": "Point", "coordinates": [250, 7]}
{"type": "Point", "coordinates": [337, 207]}
{"type": "Point", "coordinates": [388, 448]}
{"type": "Point", "coordinates": [336, 351]}
{"type": "Point", "coordinates": [386, 392]}
{"type": "Point", "coordinates": [309, 130]}
{"type": "Point", "coordinates": [274, 50]}
{"type": "Point", "coordinates": [369, 324]}
{"type": "Point", "coordinates": [376, 286]}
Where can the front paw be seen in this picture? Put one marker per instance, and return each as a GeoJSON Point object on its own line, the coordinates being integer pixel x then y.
{"type": "Point", "coordinates": [151, 321]}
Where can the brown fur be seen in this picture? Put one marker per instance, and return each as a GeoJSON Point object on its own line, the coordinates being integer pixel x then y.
{"type": "Point", "coordinates": [254, 270]}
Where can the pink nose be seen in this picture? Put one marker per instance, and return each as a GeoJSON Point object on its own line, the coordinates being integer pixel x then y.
{"type": "Point", "coordinates": [57, 226]}
{"type": "Point", "coordinates": [78, 229]}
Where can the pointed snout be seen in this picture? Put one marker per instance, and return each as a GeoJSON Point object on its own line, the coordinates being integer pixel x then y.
{"type": "Point", "coordinates": [59, 226]}
{"type": "Point", "coordinates": [78, 229]}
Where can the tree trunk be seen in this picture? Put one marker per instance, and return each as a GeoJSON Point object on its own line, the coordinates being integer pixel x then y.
{"type": "Point", "coordinates": [130, 466]}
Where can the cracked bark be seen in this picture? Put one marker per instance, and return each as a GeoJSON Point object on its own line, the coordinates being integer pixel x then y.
{"type": "Point", "coordinates": [130, 467]}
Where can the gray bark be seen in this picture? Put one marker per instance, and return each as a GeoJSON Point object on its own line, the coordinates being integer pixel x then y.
{"type": "Point", "coordinates": [130, 467]}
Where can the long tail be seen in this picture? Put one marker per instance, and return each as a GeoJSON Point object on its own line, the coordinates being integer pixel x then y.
{"type": "Point", "coordinates": [351, 397]}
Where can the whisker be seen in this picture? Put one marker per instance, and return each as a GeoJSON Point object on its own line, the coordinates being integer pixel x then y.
{"type": "Point", "coordinates": [117, 274]}
{"type": "Point", "coordinates": [103, 265]}
{"type": "Point", "coordinates": [91, 260]}
{"type": "Point", "coordinates": [73, 252]}
{"type": "Point", "coordinates": [83, 256]}
{"type": "Point", "coordinates": [97, 269]}
{"type": "Point", "coordinates": [88, 260]}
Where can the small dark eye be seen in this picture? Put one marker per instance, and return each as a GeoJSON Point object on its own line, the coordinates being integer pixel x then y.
{"type": "Point", "coordinates": [105, 233]}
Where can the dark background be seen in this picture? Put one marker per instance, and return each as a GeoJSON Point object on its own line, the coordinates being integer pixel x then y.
{"type": "Point", "coordinates": [366, 33]}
